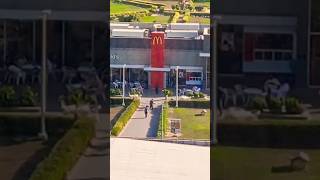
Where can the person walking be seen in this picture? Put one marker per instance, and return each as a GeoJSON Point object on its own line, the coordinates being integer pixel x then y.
{"type": "Point", "coordinates": [151, 104]}
{"type": "Point", "coordinates": [146, 112]}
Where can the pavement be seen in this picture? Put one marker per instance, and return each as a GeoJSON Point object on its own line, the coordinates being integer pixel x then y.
{"type": "Point", "coordinates": [132, 159]}
{"type": "Point", "coordinates": [93, 164]}
{"type": "Point", "coordinates": [141, 127]}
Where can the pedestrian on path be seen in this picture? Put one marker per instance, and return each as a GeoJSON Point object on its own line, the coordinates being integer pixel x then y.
{"type": "Point", "coordinates": [151, 104]}
{"type": "Point", "coordinates": [146, 112]}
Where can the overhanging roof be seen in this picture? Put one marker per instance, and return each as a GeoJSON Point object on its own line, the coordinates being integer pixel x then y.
{"type": "Point", "coordinates": [55, 15]}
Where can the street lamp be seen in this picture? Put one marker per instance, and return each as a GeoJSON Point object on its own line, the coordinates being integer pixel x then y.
{"type": "Point", "coordinates": [43, 134]}
{"type": "Point", "coordinates": [123, 83]}
{"type": "Point", "coordinates": [177, 84]}
{"type": "Point", "coordinates": [215, 83]}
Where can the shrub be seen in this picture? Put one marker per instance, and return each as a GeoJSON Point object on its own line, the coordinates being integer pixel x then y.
{"type": "Point", "coordinates": [28, 97]}
{"type": "Point", "coordinates": [164, 115]}
{"type": "Point", "coordinates": [173, 7]}
{"type": "Point", "coordinates": [125, 117]}
{"type": "Point", "coordinates": [135, 92]}
{"type": "Point", "coordinates": [293, 106]}
{"type": "Point", "coordinates": [274, 105]}
{"type": "Point", "coordinates": [115, 92]}
{"type": "Point", "coordinates": [161, 9]}
{"type": "Point", "coordinates": [258, 103]}
{"type": "Point", "coordinates": [196, 95]}
{"type": "Point", "coordinates": [66, 152]}
{"type": "Point", "coordinates": [78, 97]}
{"type": "Point", "coordinates": [7, 96]}
{"type": "Point", "coordinates": [167, 92]}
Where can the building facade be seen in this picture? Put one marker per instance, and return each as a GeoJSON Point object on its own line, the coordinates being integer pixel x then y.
{"type": "Point", "coordinates": [153, 60]}
{"type": "Point", "coordinates": [75, 31]}
{"type": "Point", "coordinates": [257, 38]}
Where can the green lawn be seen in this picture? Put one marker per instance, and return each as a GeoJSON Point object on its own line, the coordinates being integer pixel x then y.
{"type": "Point", "coordinates": [119, 8]}
{"type": "Point", "coordinates": [200, 20]}
{"type": "Point", "coordinates": [237, 163]}
{"type": "Point", "coordinates": [158, 19]}
{"type": "Point", "coordinates": [193, 126]}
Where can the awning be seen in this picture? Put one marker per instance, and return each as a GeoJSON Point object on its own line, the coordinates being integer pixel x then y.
{"type": "Point", "coordinates": [127, 66]}
{"type": "Point", "coordinates": [55, 15]}
{"type": "Point", "coordinates": [204, 54]}
{"type": "Point", "coordinates": [157, 69]}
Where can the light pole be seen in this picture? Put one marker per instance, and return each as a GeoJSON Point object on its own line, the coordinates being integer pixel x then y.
{"type": "Point", "coordinates": [123, 84]}
{"type": "Point", "coordinates": [177, 85]}
{"type": "Point", "coordinates": [215, 83]}
{"type": "Point", "coordinates": [43, 134]}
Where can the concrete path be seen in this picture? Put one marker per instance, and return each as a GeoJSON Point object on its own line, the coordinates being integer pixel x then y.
{"type": "Point", "coordinates": [148, 160]}
{"type": "Point", "coordinates": [93, 164]}
{"type": "Point", "coordinates": [141, 127]}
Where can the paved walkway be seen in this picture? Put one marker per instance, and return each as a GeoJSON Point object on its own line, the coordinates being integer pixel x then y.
{"type": "Point", "coordinates": [147, 160]}
{"type": "Point", "coordinates": [141, 127]}
{"type": "Point", "coordinates": [93, 165]}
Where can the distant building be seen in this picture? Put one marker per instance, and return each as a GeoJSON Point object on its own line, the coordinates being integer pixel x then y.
{"type": "Point", "coordinates": [152, 59]}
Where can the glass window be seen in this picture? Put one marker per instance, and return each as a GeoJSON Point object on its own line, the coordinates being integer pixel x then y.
{"type": "Point", "coordinates": [266, 46]}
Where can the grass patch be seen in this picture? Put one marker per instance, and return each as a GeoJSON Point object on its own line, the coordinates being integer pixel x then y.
{"type": "Point", "coordinates": [125, 117]}
{"type": "Point", "coordinates": [121, 8]}
{"type": "Point", "coordinates": [238, 163]}
{"type": "Point", "coordinates": [158, 19]}
{"type": "Point", "coordinates": [193, 126]}
{"type": "Point", "coordinates": [66, 152]}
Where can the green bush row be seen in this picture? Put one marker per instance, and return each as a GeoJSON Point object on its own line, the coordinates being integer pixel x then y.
{"type": "Point", "coordinates": [199, 104]}
{"type": "Point", "coordinates": [66, 152]}
{"type": "Point", "coordinates": [31, 125]}
{"type": "Point", "coordinates": [291, 104]}
{"type": "Point", "coordinates": [125, 117]}
{"type": "Point", "coordinates": [165, 118]}
{"type": "Point", "coordinates": [9, 97]}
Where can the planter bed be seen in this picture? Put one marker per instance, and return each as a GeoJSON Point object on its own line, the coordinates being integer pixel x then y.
{"type": "Point", "coordinates": [20, 109]}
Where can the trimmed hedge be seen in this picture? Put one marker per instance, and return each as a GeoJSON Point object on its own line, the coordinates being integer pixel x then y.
{"type": "Point", "coordinates": [201, 104]}
{"type": "Point", "coordinates": [125, 117]}
{"type": "Point", "coordinates": [290, 135]}
{"type": "Point", "coordinates": [66, 152]}
{"type": "Point", "coordinates": [31, 125]}
{"type": "Point", "coordinates": [165, 122]}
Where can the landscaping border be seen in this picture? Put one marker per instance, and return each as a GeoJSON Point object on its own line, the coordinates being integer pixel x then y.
{"type": "Point", "coordinates": [66, 152]}
{"type": "Point", "coordinates": [163, 119]}
{"type": "Point", "coordinates": [125, 117]}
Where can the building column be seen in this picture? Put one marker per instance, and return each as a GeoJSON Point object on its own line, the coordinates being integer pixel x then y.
{"type": "Point", "coordinates": [92, 43]}
{"type": "Point", "coordinates": [4, 42]}
{"type": "Point", "coordinates": [34, 34]}
{"type": "Point", "coordinates": [63, 43]}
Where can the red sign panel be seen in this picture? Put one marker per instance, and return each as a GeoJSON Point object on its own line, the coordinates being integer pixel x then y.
{"type": "Point", "coordinates": [157, 58]}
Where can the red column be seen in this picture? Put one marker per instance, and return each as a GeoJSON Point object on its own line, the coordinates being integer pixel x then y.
{"type": "Point", "coordinates": [157, 59]}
